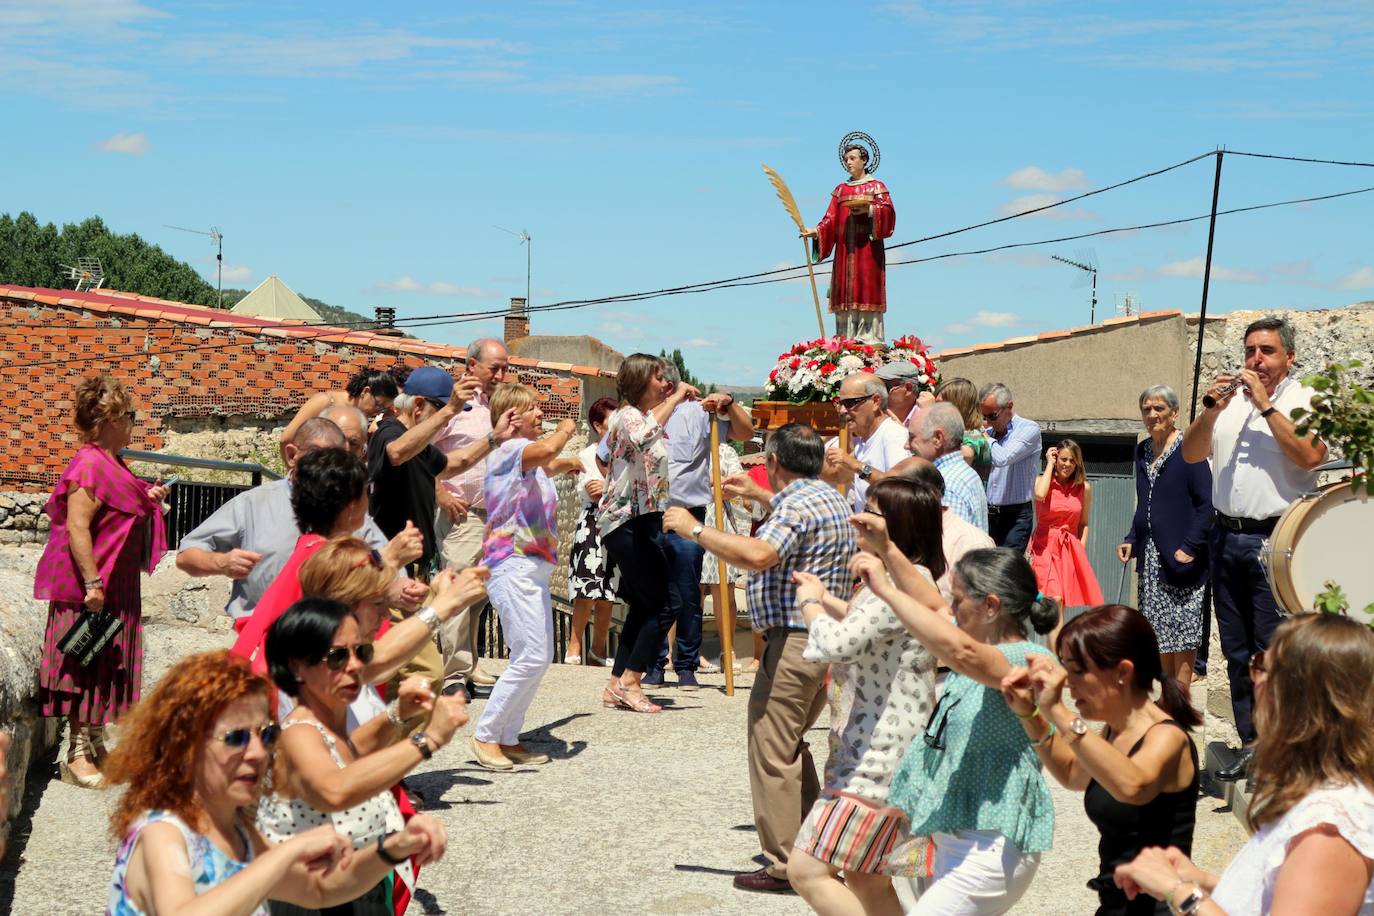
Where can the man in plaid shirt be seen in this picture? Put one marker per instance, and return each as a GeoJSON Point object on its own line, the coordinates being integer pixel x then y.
{"type": "Point", "coordinates": [807, 530]}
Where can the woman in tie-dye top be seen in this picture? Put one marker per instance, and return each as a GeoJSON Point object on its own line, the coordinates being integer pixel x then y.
{"type": "Point", "coordinates": [521, 548]}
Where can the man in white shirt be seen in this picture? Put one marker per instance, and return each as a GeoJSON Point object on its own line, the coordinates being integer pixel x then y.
{"type": "Point", "coordinates": [1259, 466]}
{"type": "Point", "coordinates": [879, 441]}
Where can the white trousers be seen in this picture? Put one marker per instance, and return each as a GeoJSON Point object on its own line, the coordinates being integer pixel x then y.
{"type": "Point", "coordinates": [976, 873]}
{"type": "Point", "coordinates": [519, 590]}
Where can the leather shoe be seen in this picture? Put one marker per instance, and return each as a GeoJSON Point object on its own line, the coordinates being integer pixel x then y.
{"type": "Point", "coordinates": [687, 680]}
{"type": "Point", "coordinates": [490, 761]}
{"type": "Point", "coordinates": [480, 691]}
{"type": "Point", "coordinates": [1239, 768]}
{"type": "Point", "coordinates": [652, 679]}
{"type": "Point", "coordinates": [482, 678]}
{"type": "Point", "coordinates": [761, 881]}
{"type": "Point", "coordinates": [457, 687]}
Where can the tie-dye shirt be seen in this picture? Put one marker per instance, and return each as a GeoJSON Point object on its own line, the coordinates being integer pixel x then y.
{"type": "Point", "coordinates": [210, 865]}
{"type": "Point", "coordinates": [521, 507]}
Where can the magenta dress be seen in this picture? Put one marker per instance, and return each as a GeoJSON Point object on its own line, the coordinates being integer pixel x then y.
{"type": "Point", "coordinates": [127, 536]}
{"type": "Point", "coordinates": [1058, 556]}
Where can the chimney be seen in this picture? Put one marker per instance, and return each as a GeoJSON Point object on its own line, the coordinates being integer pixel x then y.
{"type": "Point", "coordinates": [517, 319]}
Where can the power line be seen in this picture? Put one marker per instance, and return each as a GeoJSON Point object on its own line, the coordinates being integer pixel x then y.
{"type": "Point", "coordinates": [1366, 165]}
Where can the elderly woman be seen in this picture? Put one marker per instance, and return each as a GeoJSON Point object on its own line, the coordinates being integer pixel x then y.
{"type": "Point", "coordinates": [106, 526]}
{"type": "Point", "coordinates": [520, 549]}
{"type": "Point", "coordinates": [1312, 811]}
{"type": "Point", "coordinates": [193, 755]}
{"type": "Point", "coordinates": [592, 577]}
{"type": "Point", "coordinates": [1168, 537]}
{"type": "Point", "coordinates": [324, 773]}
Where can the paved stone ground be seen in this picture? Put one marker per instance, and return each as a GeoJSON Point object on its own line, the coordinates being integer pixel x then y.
{"type": "Point", "coordinates": [636, 814]}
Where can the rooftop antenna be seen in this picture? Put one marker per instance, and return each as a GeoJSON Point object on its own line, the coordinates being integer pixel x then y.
{"type": "Point", "coordinates": [525, 239]}
{"type": "Point", "coordinates": [87, 273]}
{"type": "Point", "coordinates": [1087, 262]}
{"type": "Point", "coordinates": [1127, 305]}
{"type": "Point", "coordinates": [218, 238]}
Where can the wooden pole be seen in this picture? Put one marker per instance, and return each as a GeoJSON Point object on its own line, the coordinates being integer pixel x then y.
{"type": "Point", "coordinates": [725, 610]}
{"type": "Point", "coordinates": [844, 447]}
{"type": "Point", "coordinates": [815, 295]}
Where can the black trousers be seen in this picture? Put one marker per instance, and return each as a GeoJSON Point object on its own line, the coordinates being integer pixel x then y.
{"type": "Point", "coordinates": [639, 551]}
{"type": "Point", "coordinates": [1011, 526]}
{"type": "Point", "coordinates": [1247, 615]}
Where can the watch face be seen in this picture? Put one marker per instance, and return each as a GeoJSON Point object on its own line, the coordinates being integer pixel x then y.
{"type": "Point", "coordinates": [1078, 726]}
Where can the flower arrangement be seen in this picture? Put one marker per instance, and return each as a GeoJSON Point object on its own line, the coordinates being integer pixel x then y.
{"type": "Point", "coordinates": [813, 369]}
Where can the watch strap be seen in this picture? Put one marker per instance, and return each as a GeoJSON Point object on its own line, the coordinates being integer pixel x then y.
{"type": "Point", "coordinates": [385, 856]}
{"type": "Point", "coordinates": [421, 741]}
{"type": "Point", "coordinates": [1268, 410]}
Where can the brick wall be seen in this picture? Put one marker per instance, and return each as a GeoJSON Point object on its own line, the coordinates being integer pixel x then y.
{"type": "Point", "coordinates": [175, 369]}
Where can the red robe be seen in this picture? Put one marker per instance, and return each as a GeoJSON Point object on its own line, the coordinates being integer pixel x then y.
{"type": "Point", "coordinates": [858, 277]}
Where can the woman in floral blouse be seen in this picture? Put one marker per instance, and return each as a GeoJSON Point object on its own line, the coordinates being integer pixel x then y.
{"type": "Point", "coordinates": [630, 519]}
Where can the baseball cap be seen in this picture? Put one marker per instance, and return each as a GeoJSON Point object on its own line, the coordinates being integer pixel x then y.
{"type": "Point", "coordinates": [430, 382]}
{"type": "Point", "coordinates": [900, 371]}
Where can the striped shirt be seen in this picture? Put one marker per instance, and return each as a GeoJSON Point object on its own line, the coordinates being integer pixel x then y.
{"type": "Point", "coordinates": [963, 489]}
{"type": "Point", "coordinates": [809, 528]}
{"type": "Point", "coordinates": [1015, 462]}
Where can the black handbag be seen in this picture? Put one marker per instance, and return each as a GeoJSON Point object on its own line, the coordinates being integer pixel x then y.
{"type": "Point", "coordinates": [88, 637]}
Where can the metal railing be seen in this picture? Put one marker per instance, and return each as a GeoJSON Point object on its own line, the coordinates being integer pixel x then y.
{"type": "Point", "coordinates": [192, 501]}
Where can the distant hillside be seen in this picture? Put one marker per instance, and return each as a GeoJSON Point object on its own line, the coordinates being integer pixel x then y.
{"type": "Point", "coordinates": [332, 314]}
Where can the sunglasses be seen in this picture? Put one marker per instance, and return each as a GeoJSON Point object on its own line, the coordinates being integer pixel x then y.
{"type": "Point", "coordinates": [337, 656]}
{"type": "Point", "coordinates": [852, 403]}
{"type": "Point", "coordinates": [937, 740]}
{"type": "Point", "coordinates": [989, 417]}
{"type": "Point", "coordinates": [373, 556]}
{"type": "Point", "coordinates": [237, 739]}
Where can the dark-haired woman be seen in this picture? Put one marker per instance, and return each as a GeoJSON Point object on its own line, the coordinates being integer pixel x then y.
{"type": "Point", "coordinates": [323, 775]}
{"type": "Point", "coordinates": [884, 680]}
{"type": "Point", "coordinates": [370, 390]}
{"type": "Point", "coordinates": [1140, 775]}
{"type": "Point", "coordinates": [592, 576]}
{"type": "Point", "coordinates": [971, 782]}
{"type": "Point", "coordinates": [106, 527]}
{"type": "Point", "coordinates": [630, 521]}
{"type": "Point", "coordinates": [1312, 811]}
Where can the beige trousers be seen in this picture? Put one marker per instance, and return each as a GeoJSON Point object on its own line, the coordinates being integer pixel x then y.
{"type": "Point", "coordinates": [460, 546]}
{"type": "Point", "coordinates": [785, 701]}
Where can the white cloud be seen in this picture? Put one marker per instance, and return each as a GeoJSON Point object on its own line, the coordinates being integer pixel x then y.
{"type": "Point", "coordinates": [1359, 279]}
{"type": "Point", "coordinates": [1034, 178]}
{"type": "Point", "coordinates": [984, 319]}
{"type": "Point", "coordinates": [408, 284]}
{"type": "Point", "coordinates": [1034, 201]}
{"type": "Point", "coordinates": [700, 342]}
{"type": "Point", "coordinates": [127, 144]}
{"type": "Point", "coordinates": [236, 273]}
{"type": "Point", "coordinates": [1192, 269]}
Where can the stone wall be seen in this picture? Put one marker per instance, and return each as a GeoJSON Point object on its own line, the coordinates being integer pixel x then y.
{"type": "Point", "coordinates": [22, 519]}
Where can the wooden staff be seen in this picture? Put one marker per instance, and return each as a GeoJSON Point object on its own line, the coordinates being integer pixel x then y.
{"type": "Point", "coordinates": [789, 203]}
{"type": "Point", "coordinates": [725, 610]}
{"type": "Point", "coordinates": [844, 447]}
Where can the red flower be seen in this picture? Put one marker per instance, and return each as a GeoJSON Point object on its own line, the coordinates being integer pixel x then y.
{"type": "Point", "coordinates": [827, 368]}
{"type": "Point", "coordinates": [773, 375]}
{"type": "Point", "coordinates": [868, 369]}
{"type": "Point", "coordinates": [794, 362]}
{"type": "Point", "coordinates": [813, 364]}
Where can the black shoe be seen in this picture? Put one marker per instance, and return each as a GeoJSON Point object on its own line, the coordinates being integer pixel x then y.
{"type": "Point", "coordinates": [479, 691]}
{"type": "Point", "coordinates": [1239, 767]}
{"type": "Point", "coordinates": [687, 680]}
{"type": "Point", "coordinates": [652, 679]}
{"type": "Point", "coordinates": [457, 687]}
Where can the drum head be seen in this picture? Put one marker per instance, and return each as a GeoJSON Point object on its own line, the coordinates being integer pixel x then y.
{"type": "Point", "coordinates": [1331, 543]}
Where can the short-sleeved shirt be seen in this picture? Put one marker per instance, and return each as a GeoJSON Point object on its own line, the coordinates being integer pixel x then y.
{"type": "Point", "coordinates": [883, 451]}
{"type": "Point", "coordinates": [522, 507]}
{"type": "Point", "coordinates": [403, 493]}
{"type": "Point", "coordinates": [1251, 476]}
{"type": "Point", "coordinates": [467, 427]}
{"type": "Point", "coordinates": [809, 528]}
{"type": "Point", "coordinates": [260, 520]}
{"type": "Point", "coordinates": [964, 492]}
{"type": "Point", "coordinates": [688, 437]}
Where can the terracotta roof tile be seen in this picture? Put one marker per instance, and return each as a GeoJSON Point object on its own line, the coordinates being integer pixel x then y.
{"type": "Point", "coordinates": [1053, 335]}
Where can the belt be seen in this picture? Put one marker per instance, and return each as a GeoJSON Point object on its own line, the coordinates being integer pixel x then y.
{"type": "Point", "coordinates": [1245, 525]}
{"type": "Point", "coordinates": [1009, 507]}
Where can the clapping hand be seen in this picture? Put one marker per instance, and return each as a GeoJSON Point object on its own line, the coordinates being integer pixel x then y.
{"type": "Point", "coordinates": [414, 696]}
{"type": "Point", "coordinates": [809, 586]}
{"type": "Point", "coordinates": [1019, 691]}
{"type": "Point", "coordinates": [451, 592]}
{"type": "Point", "coordinates": [1048, 678]}
{"type": "Point", "coordinates": [321, 849]}
{"type": "Point", "coordinates": [405, 547]}
{"type": "Point", "coordinates": [462, 392]}
{"type": "Point", "coordinates": [742, 486]}
{"type": "Point", "coordinates": [423, 838]}
{"type": "Point", "coordinates": [872, 529]}
{"type": "Point", "coordinates": [1156, 872]}
{"type": "Point", "coordinates": [870, 570]}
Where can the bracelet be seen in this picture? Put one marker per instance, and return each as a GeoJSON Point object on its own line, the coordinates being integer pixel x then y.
{"type": "Point", "coordinates": [429, 617]}
{"type": "Point", "coordinates": [393, 714]}
{"type": "Point", "coordinates": [1035, 711]}
{"type": "Point", "coordinates": [97, 582]}
{"type": "Point", "coordinates": [806, 601]}
{"type": "Point", "coordinates": [491, 440]}
{"type": "Point", "coordinates": [385, 856]}
{"type": "Point", "coordinates": [1045, 740]}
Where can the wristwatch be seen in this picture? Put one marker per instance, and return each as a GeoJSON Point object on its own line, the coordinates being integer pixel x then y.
{"type": "Point", "coordinates": [1078, 726]}
{"type": "Point", "coordinates": [1189, 905]}
{"type": "Point", "coordinates": [866, 471]}
{"type": "Point", "coordinates": [421, 741]}
{"type": "Point", "coordinates": [696, 531]}
{"type": "Point", "coordinates": [1268, 410]}
{"type": "Point", "coordinates": [491, 440]}
{"type": "Point", "coordinates": [385, 856]}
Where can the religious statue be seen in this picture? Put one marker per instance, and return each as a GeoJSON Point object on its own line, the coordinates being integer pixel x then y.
{"type": "Point", "coordinates": [859, 217]}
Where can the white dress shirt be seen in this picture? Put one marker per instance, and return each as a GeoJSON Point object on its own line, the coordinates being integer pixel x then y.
{"type": "Point", "coordinates": [1251, 476]}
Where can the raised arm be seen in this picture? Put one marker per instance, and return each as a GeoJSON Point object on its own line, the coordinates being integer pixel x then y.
{"type": "Point", "coordinates": [1042, 483]}
{"type": "Point", "coordinates": [683, 392]}
{"type": "Point", "coordinates": [1024, 440]}
{"type": "Point", "coordinates": [543, 453]}
{"type": "Point", "coordinates": [840, 632]}
{"type": "Point", "coordinates": [311, 408]}
{"type": "Point", "coordinates": [462, 459]}
{"type": "Point", "coordinates": [413, 441]}
{"type": "Point", "coordinates": [737, 550]}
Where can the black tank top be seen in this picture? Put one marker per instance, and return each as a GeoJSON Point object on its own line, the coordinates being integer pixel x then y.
{"type": "Point", "coordinates": [1165, 820]}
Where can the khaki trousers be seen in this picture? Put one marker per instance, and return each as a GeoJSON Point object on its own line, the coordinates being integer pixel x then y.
{"type": "Point", "coordinates": [785, 701]}
{"type": "Point", "coordinates": [460, 546]}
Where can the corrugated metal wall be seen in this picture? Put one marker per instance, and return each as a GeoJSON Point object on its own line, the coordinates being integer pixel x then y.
{"type": "Point", "coordinates": [1112, 511]}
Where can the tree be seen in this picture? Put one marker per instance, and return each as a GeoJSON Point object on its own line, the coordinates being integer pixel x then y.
{"type": "Point", "coordinates": [682, 370]}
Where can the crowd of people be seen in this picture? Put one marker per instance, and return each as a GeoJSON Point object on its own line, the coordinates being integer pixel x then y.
{"type": "Point", "coordinates": [929, 584]}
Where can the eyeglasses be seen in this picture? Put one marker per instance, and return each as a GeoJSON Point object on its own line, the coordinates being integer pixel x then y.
{"type": "Point", "coordinates": [937, 741]}
{"type": "Point", "coordinates": [337, 656]}
{"type": "Point", "coordinates": [237, 739]}
{"type": "Point", "coordinates": [851, 403]}
{"type": "Point", "coordinates": [374, 556]}
{"type": "Point", "coordinates": [1257, 665]}
{"type": "Point", "coordinates": [990, 417]}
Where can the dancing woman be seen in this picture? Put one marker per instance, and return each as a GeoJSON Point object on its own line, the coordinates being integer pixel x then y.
{"type": "Point", "coordinates": [1063, 503]}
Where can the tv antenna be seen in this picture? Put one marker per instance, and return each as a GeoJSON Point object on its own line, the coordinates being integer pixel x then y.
{"type": "Point", "coordinates": [1127, 304]}
{"type": "Point", "coordinates": [218, 238]}
{"type": "Point", "coordinates": [526, 240]}
{"type": "Point", "coordinates": [87, 273]}
{"type": "Point", "coordinates": [1087, 262]}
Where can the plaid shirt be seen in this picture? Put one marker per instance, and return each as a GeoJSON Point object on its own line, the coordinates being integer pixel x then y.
{"type": "Point", "coordinates": [963, 489]}
{"type": "Point", "coordinates": [809, 528]}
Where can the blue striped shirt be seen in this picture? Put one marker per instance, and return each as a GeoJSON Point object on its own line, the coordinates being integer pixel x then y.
{"type": "Point", "coordinates": [1015, 462]}
{"type": "Point", "coordinates": [963, 489]}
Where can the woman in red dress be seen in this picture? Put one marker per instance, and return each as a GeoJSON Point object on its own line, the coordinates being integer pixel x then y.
{"type": "Point", "coordinates": [1063, 502]}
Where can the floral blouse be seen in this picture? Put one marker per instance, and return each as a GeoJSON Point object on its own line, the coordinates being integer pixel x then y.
{"type": "Point", "coordinates": [637, 482]}
{"type": "Point", "coordinates": [210, 866]}
{"type": "Point", "coordinates": [522, 507]}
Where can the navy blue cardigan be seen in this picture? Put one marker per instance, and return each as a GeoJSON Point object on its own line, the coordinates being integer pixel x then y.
{"type": "Point", "coordinates": [1181, 516]}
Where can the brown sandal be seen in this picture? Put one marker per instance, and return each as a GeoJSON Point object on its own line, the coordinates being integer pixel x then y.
{"type": "Point", "coordinates": [626, 700]}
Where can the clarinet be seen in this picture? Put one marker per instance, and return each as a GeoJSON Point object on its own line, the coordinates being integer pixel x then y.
{"type": "Point", "coordinates": [1209, 401]}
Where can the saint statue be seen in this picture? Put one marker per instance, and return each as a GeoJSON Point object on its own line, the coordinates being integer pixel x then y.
{"type": "Point", "coordinates": [859, 217]}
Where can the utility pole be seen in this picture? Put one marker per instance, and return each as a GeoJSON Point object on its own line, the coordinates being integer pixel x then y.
{"type": "Point", "coordinates": [218, 238]}
{"type": "Point", "coordinates": [1088, 268]}
{"type": "Point", "coordinates": [1206, 281]}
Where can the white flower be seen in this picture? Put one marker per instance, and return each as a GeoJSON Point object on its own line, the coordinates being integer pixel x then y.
{"type": "Point", "coordinates": [850, 362]}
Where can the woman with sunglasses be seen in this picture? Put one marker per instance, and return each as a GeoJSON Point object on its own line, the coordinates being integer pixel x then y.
{"type": "Point", "coordinates": [1139, 777]}
{"type": "Point", "coordinates": [324, 774]}
{"type": "Point", "coordinates": [885, 681]}
{"type": "Point", "coordinates": [1312, 811]}
{"type": "Point", "coordinates": [106, 527]}
{"type": "Point", "coordinates": [971, 782]}
{"type": "Point", "coordinates": [193, 754]}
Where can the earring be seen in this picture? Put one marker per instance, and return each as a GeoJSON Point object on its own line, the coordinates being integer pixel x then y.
{"type": "Point", "coordinates": [1121, 682]}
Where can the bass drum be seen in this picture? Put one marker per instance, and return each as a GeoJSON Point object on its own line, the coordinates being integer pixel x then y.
{"type": "Point", "coordinates": [1323, 537]}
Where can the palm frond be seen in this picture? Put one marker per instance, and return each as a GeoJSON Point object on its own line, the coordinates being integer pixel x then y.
{"type": "Point", "coordinates": [788, 201]}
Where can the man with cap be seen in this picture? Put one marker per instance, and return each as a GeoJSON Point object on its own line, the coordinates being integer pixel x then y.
{"type": "Point", "coordinates": [903, 381]}
{"type": "Point", "coordinates": [403, 465]}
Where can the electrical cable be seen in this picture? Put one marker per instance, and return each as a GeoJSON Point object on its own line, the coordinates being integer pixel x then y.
{"type": "Point", "coordinates": [1366, 165]}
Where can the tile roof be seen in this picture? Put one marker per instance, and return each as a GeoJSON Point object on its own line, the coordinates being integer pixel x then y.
{"type": "Point", "coordinates": [114, 302]}
{"type": "Point", "coordinates": [1015, 342]}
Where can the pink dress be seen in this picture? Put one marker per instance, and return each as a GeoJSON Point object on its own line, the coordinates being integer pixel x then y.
{"type": "Point", "coordinates": [1057, 554]}
{"type": "Point", "coordinates": [127, 535]}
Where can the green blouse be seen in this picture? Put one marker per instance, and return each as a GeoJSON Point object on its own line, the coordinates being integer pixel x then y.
{"type": "Point", "coordinates": [986, 777]}
{"type": "Point", "coordinates": [977, 440]}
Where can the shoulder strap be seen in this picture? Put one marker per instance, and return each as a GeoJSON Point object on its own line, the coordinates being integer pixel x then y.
{"type": "Point", "coordinates": [1141, 740]}
{"type": "Point", "coordinates": [329, 741]}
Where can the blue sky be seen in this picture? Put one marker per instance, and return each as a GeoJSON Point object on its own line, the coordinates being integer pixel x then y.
{"type": "Point", "coordinates": [366, 155]}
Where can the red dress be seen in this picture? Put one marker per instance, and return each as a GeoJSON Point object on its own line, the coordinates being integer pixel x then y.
{"type": "Point", "coordinates": [1057, 554]}
{"type": "Point", "coordinates": [858, 281]}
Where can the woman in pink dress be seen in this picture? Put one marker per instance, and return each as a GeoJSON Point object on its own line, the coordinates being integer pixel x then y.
{"type": "Point", "coordinates": [106, 527]}
{"type": "Point", "coordinates": [1063, 502]}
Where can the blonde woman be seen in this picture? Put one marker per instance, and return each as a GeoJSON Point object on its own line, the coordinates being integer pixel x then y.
{"type": "Point", "coordinates": [976, 449]}
{"type": "Point", "coordinates": [1063, 502]}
